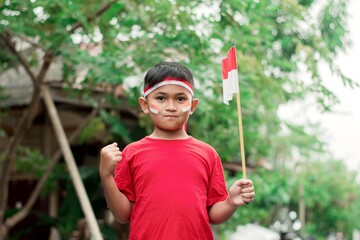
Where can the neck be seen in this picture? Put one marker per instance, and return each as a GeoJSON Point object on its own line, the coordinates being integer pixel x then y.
{"type": "Point", "coordinates": [169, 135]}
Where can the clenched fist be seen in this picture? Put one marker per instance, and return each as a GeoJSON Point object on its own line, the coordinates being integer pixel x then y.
{"type": "Point", "coordinates": [241, 192]}
{"type": "Point", "coordinates": [110, 155]}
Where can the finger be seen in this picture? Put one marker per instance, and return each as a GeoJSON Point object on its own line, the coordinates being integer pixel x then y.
{"type": "Point", "coordinates": [248, 189]}
{"type": "Point", "coordinates": [111, 146]}
{"type": "Point", "coordinates": [247, 183]}
{"type": "Point", "coordinates": [116, 153]}
{"type": "Point", "coordinates": [241, 182]}
{"type": "Point", "coordinates": [115, 147]}
{"type": "Point", "coordinates": [115, 150]}
{"type": "Point", "coordinates": [235, 189]}
{"type": "Point", "coordinates": [248, 195]}
{"type": "Point", "coordinates": [244, 182]}
{"type": "Point", "coordinates": [110, 149]}
{"type": "Point", "coordinates": [247, 199]}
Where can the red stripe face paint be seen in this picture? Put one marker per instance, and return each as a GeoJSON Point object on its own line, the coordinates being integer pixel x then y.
{"type": "Point", "coordinates": [187, 107]}
{"type": "Point", "coordinates": [154, 109]}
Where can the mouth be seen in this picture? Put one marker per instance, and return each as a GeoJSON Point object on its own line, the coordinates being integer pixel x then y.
{"type": "Point", "coordinates": [170, 116]}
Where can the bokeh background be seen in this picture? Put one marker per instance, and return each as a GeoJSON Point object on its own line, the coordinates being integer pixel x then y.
{"type": "Point", "coordinates": [71, 72]}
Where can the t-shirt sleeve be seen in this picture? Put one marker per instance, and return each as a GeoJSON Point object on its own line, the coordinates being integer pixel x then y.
{"type": "Point", "coordinates": [123, 178]}
{"type": "Point", "coordinates": [217, 187]}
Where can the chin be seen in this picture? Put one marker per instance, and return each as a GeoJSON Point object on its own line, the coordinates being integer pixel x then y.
{"type": "Point", "coordinates": [172, 129]}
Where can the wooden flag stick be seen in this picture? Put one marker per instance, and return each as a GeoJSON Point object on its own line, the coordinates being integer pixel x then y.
{"type": "Point", "coordinates": [242, 151]}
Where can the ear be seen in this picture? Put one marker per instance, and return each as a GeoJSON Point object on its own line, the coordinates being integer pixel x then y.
{"type": "Point", "coordinates": [144, 105]}
{"type": "Point", "coordinates": [194, 104]}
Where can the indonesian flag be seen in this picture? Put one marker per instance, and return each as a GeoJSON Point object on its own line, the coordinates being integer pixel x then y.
{"type": "Point", "coordinates": [230, 75]}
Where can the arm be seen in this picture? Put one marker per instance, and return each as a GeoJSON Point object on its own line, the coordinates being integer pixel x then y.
{"type": "Point", "coordinates": [240, 193]}
{"type": "Point", "coordinates": [118, 203]}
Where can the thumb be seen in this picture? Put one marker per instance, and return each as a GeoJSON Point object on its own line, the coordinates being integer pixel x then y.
{"type": "Point", "coordinates": [243, 182]}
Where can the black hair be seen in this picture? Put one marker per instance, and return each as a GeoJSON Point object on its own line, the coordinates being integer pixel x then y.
{"type": "Point", "coordinates": [167, 69]}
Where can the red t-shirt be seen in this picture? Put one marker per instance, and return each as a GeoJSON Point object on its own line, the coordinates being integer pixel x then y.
{"type": "Point", "coordinates": [171, 182]}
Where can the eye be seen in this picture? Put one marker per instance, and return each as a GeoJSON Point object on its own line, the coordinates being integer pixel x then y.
{"type": "Point", "coordinates": [160, 98]}
{"type": "Point", "coordinates": [181, 99]}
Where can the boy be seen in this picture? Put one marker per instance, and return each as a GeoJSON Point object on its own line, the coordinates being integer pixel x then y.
{"type": "Point", "coordinates": [169, 185]}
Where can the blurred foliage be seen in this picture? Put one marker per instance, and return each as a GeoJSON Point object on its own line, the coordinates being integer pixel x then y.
{"type": "Point", "coordinates": [30, 161]}
{"type": "Point", "coordinates": [70, 210]}
{"type": "Point", "coordinates": [280, 45]}
{"type": "Point", "coordinates": [331, 193]}
{"type": "Point", "coordinates": [91, 130]}
{"type": "Point", "coordinates": [117, 127]}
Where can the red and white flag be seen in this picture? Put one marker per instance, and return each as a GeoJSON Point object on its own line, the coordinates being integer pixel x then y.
{"type": "Point", "coordinates": [230, 75]}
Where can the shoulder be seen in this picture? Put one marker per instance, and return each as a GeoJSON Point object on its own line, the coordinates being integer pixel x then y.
{"type": "Point", "coordinates": [136, 143]}
{"type": "Point", "coordinates": [203, 147]}
{"type": "Point", "coordinates": [202, 144]}
{"type": "Point", "coordinates": [132, 147]}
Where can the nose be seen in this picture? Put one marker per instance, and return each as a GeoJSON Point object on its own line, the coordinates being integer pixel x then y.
{"type": "Point", "coordinates": [171, 106]}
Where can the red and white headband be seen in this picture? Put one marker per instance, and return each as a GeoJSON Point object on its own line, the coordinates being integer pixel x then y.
{"type": "Point", "coordinates": [167, 81]}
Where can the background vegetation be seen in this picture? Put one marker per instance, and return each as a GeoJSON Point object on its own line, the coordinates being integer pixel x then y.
{"type": "Point", "coordinates": [280, 45]}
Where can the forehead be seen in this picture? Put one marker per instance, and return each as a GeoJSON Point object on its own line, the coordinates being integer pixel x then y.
{"type": "Point", "coordinates": [171, 89]}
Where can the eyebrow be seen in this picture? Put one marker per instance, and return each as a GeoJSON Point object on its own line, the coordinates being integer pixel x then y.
{"type": "Point", "coordinates": [177, 94]}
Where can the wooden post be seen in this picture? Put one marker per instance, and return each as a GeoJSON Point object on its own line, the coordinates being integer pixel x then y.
{"type": "Point", "coordinates": [71, 164]}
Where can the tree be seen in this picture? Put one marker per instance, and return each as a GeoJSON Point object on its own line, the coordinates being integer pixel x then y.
{"type": "Point", "coordinates": [331, 197]}
{"type": "Point", "coordinates": [276, 42]}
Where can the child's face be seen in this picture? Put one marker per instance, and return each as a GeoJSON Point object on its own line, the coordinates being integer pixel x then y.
{"type": "Point", "coordinates": [169, 107]}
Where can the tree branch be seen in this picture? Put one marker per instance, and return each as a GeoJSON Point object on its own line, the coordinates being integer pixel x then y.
{"type": "Point", "coordinates": [21, 129]}
{"type": "Point", "coordinates": [92, 17]}
{"type": "Point", "coordinates": [13, 220]}
{"type": "Point", "coordinates": [24, 124]}
{"type": "Point", "coordinates": [28, 116]}
{"type": "Point", "coordinates": [18, 55]}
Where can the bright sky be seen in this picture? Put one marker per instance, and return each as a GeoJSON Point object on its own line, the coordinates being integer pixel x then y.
{"type": "Point", "coordinates": [342, 127]}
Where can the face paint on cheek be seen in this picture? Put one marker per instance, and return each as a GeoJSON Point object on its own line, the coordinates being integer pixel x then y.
{"type": "Point", "coordinates": [187, 107]}
{"type": "Point", "coordinates": [154, 109]}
